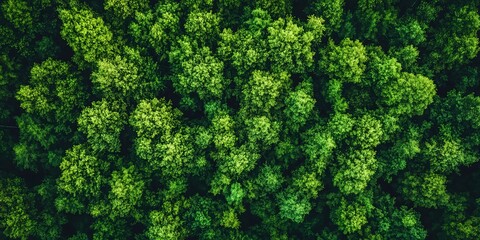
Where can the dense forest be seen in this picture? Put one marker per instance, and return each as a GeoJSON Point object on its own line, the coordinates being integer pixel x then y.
{"type": "Point", "coordinates": [229, 119]}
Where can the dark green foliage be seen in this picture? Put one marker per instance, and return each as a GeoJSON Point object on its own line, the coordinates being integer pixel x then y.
{"type": "Point", "coordinates": [265, 119]}
{"type": "Point", "coordinates": [425, 190]}
{"type": "Point", "coordinates": [16, 210]}
{"type": "Point", "coordinates": [51, 103]}
{"type": "Point", "coordinates": [125, 8]}
{"type": "Point", "coordinates": [18, 13]}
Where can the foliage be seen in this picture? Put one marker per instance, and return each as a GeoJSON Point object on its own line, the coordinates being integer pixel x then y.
{"type": "Point", "coordinates": [265, 119]}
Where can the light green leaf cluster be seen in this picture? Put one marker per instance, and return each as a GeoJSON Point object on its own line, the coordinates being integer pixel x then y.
{"type": "Point", "coordinates": [87, 35]}
{"type": "Point", "coordinates": [102, 123]}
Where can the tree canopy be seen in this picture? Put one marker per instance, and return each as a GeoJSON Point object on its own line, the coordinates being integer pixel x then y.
{"type": "Point", "coordinates": [229, 119]}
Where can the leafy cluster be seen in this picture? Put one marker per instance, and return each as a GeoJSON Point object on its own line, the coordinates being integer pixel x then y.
{"type": "Point", "coordinates": [266, 119]}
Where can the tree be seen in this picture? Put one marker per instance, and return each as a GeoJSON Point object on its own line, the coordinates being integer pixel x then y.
{"type": "Point", "coordinates": [230, 219]}
{"type": "Point", "coordinates": [59, 105]}
{"type": "Point", "coordinates": [102, 124]}
{"type": "Point", "coordinates": [166, 224]}
{"type": "Point", "coordinates": [247, 49]}
{"type": "Point", "coordinates": [126, 191]}
{"type": "Point", "coordinates": [270, 179]}
{"type": "Point", "coordinates": [277, 8]}
{"type": "Point", "coordinates": [407, 226]}
{"type": "Point", "coordinates": [51, 103]}
{"type": "Point", "coordinates": [235, 195]}
{"type": "Point", "coordinates": [389, 219]}
{"type": "Point", "coordinates": [293, 207]}
{"type": "Point", "coordinates": [349, 216]}
{"type": "Point", "coordinates": [425, 190]}
{"type": "Point", "coordinates": [356, 169]}
{"type": "Point", "coordinates": [264, 91]}
{"type": "Point", "coordinates": [344, 62]}
{"type": "Point", "coordinates": [455, 42]}
{"type": "Point", "coordinates": [125, 8]}
{"type": "Point", "coordinates": [160, 141]}
{"type": "Point", "coordinates": [82, 174]}
{"type": "Point", "coordinates": [222, 125]}
{"type": "Point", "coordinates": [240, 160]}
{"type": "Point", "coordinates": [447, 152]}
{"type": "Point", "coordinates": [18, 13]}
{"type": "Point", "coordinates": [457, 112]}
{"type": "Point", "coordinates": [16, 212]}
{"type": "Point", "coordinates": [410, 95]}
{"type": "Point", "coordinates": [107, 228]}
{"type": "Point", "coordinates": [299, 105]}
{"type": "Point", "coordinates": [461, 218]}
{"type": "Point", "coordinates": [375, 18]}
{"type": "Point", "coordinates": [164, 30]}
{"type": "Point", "coordinates": [290, 46]}
{"type": "Point", "coordinates": [262, 131]}
{"type": "Point", "coordinates": [198, 71]}
{"type": "Point", "coordinates": [129, 76]}
{"type": "Point", "coordinates": [318, 148]}
{"type": "Point", "coordinates": [404, 149]}
{"type": "Point", "coordinates": [203, 27]}
{"type": "Point", "coordinates": [366, 133]}
{"type": "Point", "coordinates": [88, 36]}
{"type": "Point", "coordinates": [331, 11]}
{"type": "Point", "coordinates": [409, 32]}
